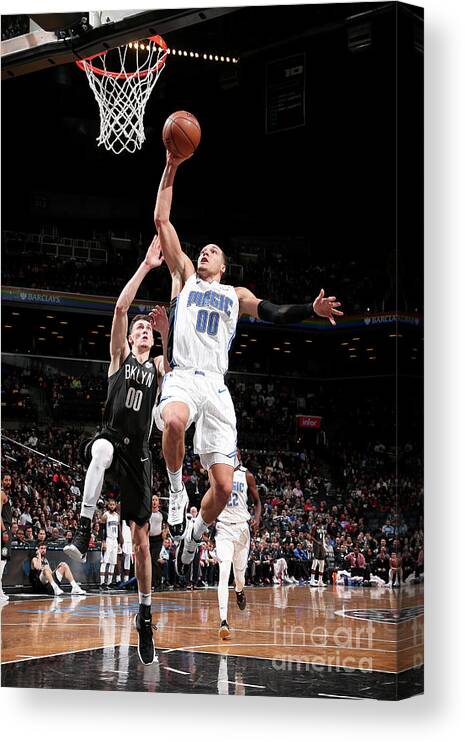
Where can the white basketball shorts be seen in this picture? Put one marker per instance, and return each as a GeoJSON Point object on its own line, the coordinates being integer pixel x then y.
{"type": "Point", "coordinates": [210, 408]}
{"type": "Point", "coordinates": [233, 544]}
{"type": "Point", "coordinates": [110, 555]}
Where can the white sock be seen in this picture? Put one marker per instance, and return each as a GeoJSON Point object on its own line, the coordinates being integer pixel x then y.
{"type": "Point", "coordinates": [2, 568]}
{"type": "Point", "coordinates": [102, 456]}
{"type": "Point", "coordinates": [102, 578]}
{"type": "Point", "coordinates": [110, 574]}
{"type": "Point", "coordinates": [175, 478]}
{"type": "Point", "coordinates": [225, 570]}
{"type": "Point", "coordinates": [58, 576]}
{"type": "Point", "coordinates": [200, 527]}
{"type": "Point", "coordinates": [55, 587]}
{"type": "Point", "coordinates": [74, 584]}
{"type": "Point", "coordinates": [145, 598]}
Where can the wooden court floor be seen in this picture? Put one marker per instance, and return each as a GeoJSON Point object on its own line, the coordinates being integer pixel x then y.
{"type": "Point", "coordinates": [374, 630]}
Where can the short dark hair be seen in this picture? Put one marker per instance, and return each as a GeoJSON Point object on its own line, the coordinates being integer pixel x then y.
{"type": "Point", "coordinates": [144, 317]}
{"type": "Point", "coordinates": [225, 257]}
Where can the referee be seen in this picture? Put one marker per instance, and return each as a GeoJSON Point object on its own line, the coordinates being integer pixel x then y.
{"type": "Point", "coordinates": [157, 519]}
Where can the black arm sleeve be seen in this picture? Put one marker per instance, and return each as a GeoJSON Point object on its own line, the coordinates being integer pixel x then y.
{"type": "Point", "coordinates": [284, 314]}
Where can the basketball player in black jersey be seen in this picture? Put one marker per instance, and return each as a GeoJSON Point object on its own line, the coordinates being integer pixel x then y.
{"type": "Point", "coordinates": [121, 449]}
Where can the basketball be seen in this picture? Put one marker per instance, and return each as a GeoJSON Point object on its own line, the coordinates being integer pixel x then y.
{"type": "Point", "coordinates": [181, 133]}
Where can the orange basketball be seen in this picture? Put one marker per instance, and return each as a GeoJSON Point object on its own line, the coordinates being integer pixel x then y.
{"type": "Point", "coordinates": [181, 133]}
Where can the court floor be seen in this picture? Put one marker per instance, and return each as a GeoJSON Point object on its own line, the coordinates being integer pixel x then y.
{"type": "Point", "coordinates": [290, 641]}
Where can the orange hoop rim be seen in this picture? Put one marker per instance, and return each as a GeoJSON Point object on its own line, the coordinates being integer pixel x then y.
{"type": "Point", "coordinates": [85, 64]}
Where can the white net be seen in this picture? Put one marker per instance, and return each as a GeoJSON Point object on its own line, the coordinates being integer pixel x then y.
{"type": "Point", "coordinates": [122, 93]}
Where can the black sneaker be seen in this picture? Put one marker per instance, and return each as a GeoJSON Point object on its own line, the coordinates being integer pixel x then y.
{"type": "Point", "coordinates": [241, 600]}
{"type": "Point", "coordinates": [104, 588]}
{"type": "Point", "coordinates": [145, 645]}
{"type": "Point", "coordinates": [224, 632]}
{"type": "Point", "coordinates": [77, 549]}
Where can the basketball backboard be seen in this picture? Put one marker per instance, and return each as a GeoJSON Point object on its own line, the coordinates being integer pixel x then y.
{"type": "Point", "coordinates": [97, 31]}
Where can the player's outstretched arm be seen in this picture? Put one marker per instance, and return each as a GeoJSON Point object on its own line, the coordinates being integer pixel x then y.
{"type": "Point", "coordinates": [176, 260]}
{"type": "Point", "coordinates": [287, 314]}
{"type": "Point", "coordinates": [160, 323]}
{"type": "Point", "coordinates": [252, 489]}
{"type": "Point", "coordinates": [119, 346]}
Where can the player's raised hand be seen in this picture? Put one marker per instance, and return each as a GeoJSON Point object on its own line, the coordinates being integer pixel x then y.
{"type": "Point", "coordinates": [154, 257]}
{"type": "Point", "coordinates": [175, 160]}
{"type": "Point", "coordinates": [159, 320]}
{"type": "Point", "coordinates": [327, 307]}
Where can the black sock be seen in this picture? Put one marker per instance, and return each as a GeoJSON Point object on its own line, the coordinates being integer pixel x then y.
{"type": "Point", "coordinates": [84, 522]}
{"type": "Point", "coordinates": [145, 611]}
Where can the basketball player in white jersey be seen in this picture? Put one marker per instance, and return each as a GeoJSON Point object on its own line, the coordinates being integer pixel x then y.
{"type": "Point", "coordinates": [112, 535]}
{"type": "Point", "coordinates": [202, 328]}
{"type": "Point", "coordinates": [233, 540]}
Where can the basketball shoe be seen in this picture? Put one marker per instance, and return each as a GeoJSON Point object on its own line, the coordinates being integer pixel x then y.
{"type": "Point", "coordinates": [224, 632]}
{"type": "Point", "coordinates": [177, 510]}
{"type": "Point", "coordinates": [77, 549]}
{"type": "Point", "coordinates": [241, 600]}
{"type": "Point", "coordinates": [186, 548]}
{"type": "Point", "coordinates": [145, 645]}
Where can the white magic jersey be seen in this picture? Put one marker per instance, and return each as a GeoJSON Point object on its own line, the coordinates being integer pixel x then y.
{"type": "Point", "coordinates": [112, 525]}
{"type": "Point", "coordinates": [236, 511]}
{"type": "Point", "coordinates": [202, 326]}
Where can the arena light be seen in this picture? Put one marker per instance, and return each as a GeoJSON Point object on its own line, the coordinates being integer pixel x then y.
{"type": "Point", "coordinates": [372, 358]}
{"type": "Point", "coordinates": [276, 348]}
{"type": "Point", "coordinates": [352, 348]}
{"type": "Point", "coordinates": [15, 314]}
{"type": "Point", "coordinates": [244, 335]}
{"type": "Point", "coordinates": [94, 332]}
{"type": "Point", "coordinates": [355, 338]}
{"type": "Point", "coordinates": [243, 346]}
{"type": "Point", "coordinates": [309, 341]}
{"type": "Point", "coordinates": [344, 343]}
{"type": "Point", "coordinates": [54, 332]}
{"type": "Point", "coordinates": [103, 326]}
{"type": "Point", "coordinates": [238, 352]}
{"type": "Point", "coordinates": [42, 328]}
{"type": "Point", "coordinates": [63, 322]}
{"type": "Point", "coordinates": [8, 327]}
{"type": "Point", "coordinates": [353, 356]}
{"type": "Point", "coordinates": [253, 340]}
{"type": "Point", "coordinates": [288, 351]}
{"type": "Point", "coordinates": [50, 316]}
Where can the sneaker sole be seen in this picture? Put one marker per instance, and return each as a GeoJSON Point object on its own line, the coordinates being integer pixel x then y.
{"type": "Point", "coordinates": [74, 553]}
{"type": "Point", "coordinates": [224, 632]}
{"type": "Point", "coordinates": [155, 657]}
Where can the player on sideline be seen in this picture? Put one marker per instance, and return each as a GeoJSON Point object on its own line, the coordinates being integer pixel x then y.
{"type": "Point", "coordinates": [202, 328]}
{"type": "Point", "coordinates": [111, 537]}
{"type": "Point", "coordinates": [121, 448]}
{"type": "Point", "coordinates": [6, 521]}
{"type": "Point", "coordinates": [319, 553]}
{"type": "Point", "coordinates": [232, 539]}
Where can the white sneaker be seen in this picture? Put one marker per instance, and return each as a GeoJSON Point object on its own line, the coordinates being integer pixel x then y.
{"type": "Point", "coordinates": [177, 509]}
{"type": "Point", "coordinates": [3, 596]}
{"type": "Point", "coordinates": [78, 591]}
{"type": "Point", "coordinates": [185, 550]}
{"type": "Point", "coordinates": [295, 580]}
{"type": "Point", "coordinates": [58, 591]}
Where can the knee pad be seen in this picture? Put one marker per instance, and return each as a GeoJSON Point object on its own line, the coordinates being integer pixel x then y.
{"type": "Point", "coordinates": [102, 452]}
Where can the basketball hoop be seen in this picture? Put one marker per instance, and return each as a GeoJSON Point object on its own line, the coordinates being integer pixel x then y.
{"type": "Point", "coordinates": [122, 93]}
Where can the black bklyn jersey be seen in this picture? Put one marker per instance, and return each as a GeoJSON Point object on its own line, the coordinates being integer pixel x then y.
{"type": "Point", "coordinates": [132, 391]}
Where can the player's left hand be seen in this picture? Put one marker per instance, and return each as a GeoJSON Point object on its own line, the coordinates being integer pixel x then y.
{"type": "Point", "coordinates": [254, 526]}
{"type": "Point", "coordinates": [326, 306]}
{"type": "Point", "coordinates": [154, 257]}
{"type": "Point", "coordinates": [159, 320]}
